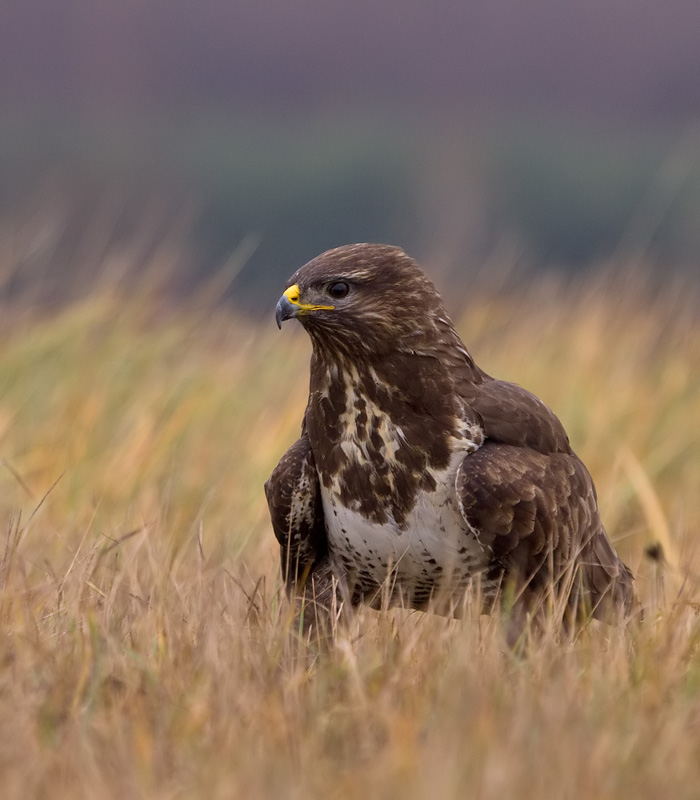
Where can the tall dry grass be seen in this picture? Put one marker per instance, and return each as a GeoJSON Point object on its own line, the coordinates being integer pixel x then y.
{"type": "Point", "coordinates": [145, 647]}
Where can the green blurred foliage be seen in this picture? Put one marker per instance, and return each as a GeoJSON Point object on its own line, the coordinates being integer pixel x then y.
{"type": "Point", "coordinates": [570, 195]}
{"type": "Point", "coordinates": [578, 194]}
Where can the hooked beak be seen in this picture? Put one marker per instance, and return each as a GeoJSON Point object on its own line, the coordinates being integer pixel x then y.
{"type": "Point", "coordinates": [289, 305]}
{"type": "Point", "coordinates": [285, 310]}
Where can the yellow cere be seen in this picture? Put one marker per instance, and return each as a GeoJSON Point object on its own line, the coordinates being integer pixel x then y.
{"type": "Point", "coordinates": [293, 294]}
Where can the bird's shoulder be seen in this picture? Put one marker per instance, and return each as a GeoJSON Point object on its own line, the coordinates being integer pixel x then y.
{"type": "Point", "coordinates": [511, 415]}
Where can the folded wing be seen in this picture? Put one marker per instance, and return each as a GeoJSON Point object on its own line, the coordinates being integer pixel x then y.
{"type": "Point", "coordinates": [534, 506]}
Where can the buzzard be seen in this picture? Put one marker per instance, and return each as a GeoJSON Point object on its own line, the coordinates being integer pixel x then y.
{"type": "Point", "coordinates": [417, 475]}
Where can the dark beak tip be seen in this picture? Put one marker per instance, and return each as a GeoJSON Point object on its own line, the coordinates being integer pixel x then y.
{"type": "Point", "coordinates": [285, 310]}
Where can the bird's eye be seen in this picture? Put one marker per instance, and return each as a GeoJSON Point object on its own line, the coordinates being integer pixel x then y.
{"type": "Point", "coordinates": [338, 290]}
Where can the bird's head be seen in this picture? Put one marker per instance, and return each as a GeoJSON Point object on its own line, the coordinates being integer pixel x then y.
{"type": "Point", "coordinates": [369, 295]}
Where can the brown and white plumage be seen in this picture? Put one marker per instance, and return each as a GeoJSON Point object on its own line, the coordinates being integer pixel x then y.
{"type": "Point", "coordinates": [416, 472]}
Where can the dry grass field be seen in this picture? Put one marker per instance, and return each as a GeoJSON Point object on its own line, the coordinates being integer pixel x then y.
{"type": "Point", "coordinates": [144, 642]}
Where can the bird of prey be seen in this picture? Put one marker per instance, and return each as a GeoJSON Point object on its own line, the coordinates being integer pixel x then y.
{"type": "Point", "coordinates": [417, 475]}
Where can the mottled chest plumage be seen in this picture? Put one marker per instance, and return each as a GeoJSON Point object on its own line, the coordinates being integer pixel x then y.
{"type": "Point", "coordinates": [434, 547]}
{"type": "Point", "coordinates": [415, 470]}
{"type": "Point", "coordinates": [389, 494]}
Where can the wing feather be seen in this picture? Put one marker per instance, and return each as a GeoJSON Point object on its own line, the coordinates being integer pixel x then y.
{"type": "Point", "coordinates": [538, 515]}
{"type": "Point", "coordinates": [294, 499]}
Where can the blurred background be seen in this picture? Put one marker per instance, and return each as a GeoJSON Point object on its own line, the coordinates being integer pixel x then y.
{"type": "Point", "coordinates": [242, 139]}
{"type": "Point", "coordinates": [165, 165]}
